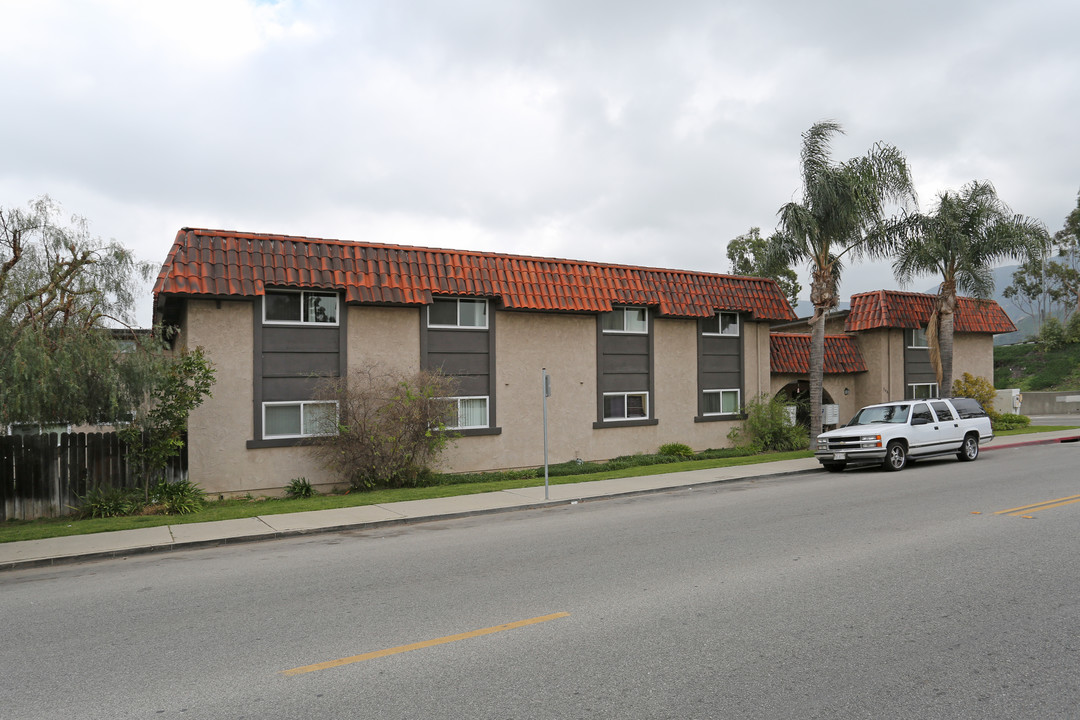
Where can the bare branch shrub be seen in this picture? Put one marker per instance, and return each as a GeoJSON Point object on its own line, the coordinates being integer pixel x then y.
{"type": "Point", "coordinates": [390, 426]}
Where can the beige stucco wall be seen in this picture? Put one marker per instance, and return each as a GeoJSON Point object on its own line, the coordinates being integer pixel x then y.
{"type": "Point", "coordinates": [389, 338]}
{"type": "Point", "coordinates": [973, 353]}
{"type": "Point", "coordinates": [883, 351]}
{"type": "Point", "coordinates": [566, 346]}
{"type": "Point", "coordinates": [384, 337]}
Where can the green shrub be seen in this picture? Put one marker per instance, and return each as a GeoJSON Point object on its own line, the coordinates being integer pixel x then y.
{"type": "Point", "coordinates": [1072, 328]}
{"type": "Point", "coordinates": [299, 488]}
{"type": "Point", "coordinates": [177, 498]}
{"type": "Point", "coordinates": [977, 388]}
{"type": "Point", "coordinates": [679, 450]}
{"type": "Point", "coordinates": [1009, 421]}
{"type": "Point", "coordinates": [1051, 334]}
{"type": "Point", "coordinates": [768, 427]}
{"type": "Point", "coordinates": [110, 502]}
{"type": "Point", "coordinates": [390, 427]}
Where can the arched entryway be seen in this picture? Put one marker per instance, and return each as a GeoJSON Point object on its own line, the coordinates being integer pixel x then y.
{"type": "Point", "coordinates": [798, 392]}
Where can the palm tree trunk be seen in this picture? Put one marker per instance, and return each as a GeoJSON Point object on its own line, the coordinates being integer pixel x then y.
{"type": "Point", "coordinates": [945, 337]}
{"type": "Point", "coordinates": [817, 371]}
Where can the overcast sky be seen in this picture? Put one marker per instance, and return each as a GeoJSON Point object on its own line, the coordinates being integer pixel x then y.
{"type": "Point", "coordinates": [647, 133]}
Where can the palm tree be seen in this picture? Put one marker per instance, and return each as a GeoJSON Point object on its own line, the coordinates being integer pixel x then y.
{"type": "Point", "coordinates": [960, 241]}
{"type": "Point", "coordinates": [842, 214]}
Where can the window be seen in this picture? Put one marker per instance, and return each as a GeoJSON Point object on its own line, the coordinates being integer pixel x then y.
{"type": "Point", "coordinates": [457, 313]}
{"type": "Point", "coordinates": [626, 320]}
{"type": "Point", "coordinates": [921, 412]}
{"type": "Point", "coordinates": [722, 323]}
{"type": "Point", "coordinates": [626, 406]}
{"type": "Point", "coordinates": [922, 391]}
{"type": "Point", "coordinates": [942, 411]}
{"type": "Point", "coordinates": [917, 338]}
{"type": "Point", "coordinates": [300, 307]}
{"type": "Point", "coordinates": [721, 402]}
{"type": "Point", "coordinates": [299, 419]}
{"type": "Point", "coordinates": [468, 413]}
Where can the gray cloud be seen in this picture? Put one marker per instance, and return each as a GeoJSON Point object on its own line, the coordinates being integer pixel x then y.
{"type": "Point", "coordinates": [622, 131]}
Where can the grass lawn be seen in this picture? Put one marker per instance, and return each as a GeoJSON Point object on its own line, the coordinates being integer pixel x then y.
{"type": "Point", "coordinates": [14, 530]}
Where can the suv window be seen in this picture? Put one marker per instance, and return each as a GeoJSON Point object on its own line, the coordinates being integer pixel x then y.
{"type": "Point", "coordinates": [968, 408]}
{"type": "Point", "coordinates": [921, 411]}
{"type": "Point", "coordinates": [942, 411]}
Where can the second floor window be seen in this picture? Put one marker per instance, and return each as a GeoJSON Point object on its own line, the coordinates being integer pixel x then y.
{"type": "Point", "coordinates": [300, 307]}
{"type": "Point", "coordinates": [626, 320]}
{"type": "Point", "coordinates": [457, 313]}
{"type": "Point", "coordinates": [722, 323]}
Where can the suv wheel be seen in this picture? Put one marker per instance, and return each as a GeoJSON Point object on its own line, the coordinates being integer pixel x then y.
{"type": "Point", "coordinates": [969, 450]}
{"type": "Point", "coordinates": [895, 456]}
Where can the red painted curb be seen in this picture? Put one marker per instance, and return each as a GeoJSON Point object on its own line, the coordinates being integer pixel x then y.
{"type": "Point", "coordinates": [1073, 438]}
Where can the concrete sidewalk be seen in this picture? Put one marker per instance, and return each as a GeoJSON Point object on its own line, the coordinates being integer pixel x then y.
{"type": "Point", "coordinates": [76, 548]}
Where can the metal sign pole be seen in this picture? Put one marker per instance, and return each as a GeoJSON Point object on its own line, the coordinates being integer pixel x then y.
{"type": "Point", "coordinates": [545, 386]}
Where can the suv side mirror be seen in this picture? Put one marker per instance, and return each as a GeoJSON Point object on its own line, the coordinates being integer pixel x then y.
{"type": "Point", "coordinates": [920, 421]}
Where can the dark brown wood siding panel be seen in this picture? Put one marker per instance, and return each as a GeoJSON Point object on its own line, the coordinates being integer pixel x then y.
{"type": "Point", "coordinates": [299, 338]}
{"type": "Point", "coordinates": [468, 355]}
{"type": "Point", "coordinates": [291, 360]}
{"type": "Point", "coordinates": [917, 367]}
{"type": "Point", "coordinates": [720, 363]}
{"type": "Point", "coordinates": [284, 389]}
{"type": "Point", "coordinates": [624, 364]}
{"type": "Point", "coordinates": [300, 364]}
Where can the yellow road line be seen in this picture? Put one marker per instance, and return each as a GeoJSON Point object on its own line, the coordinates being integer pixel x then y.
{"type": "Point", "coordinates": [1045, 505]}
{"type": "Point", "coordinates": [425, 644]}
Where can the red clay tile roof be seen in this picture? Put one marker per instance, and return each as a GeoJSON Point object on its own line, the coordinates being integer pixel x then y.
{"type": "Point", "coordinates": [895, 309]}
{"type": "Point", "coordinates": [790, 353]}
{"type": "Point", "coordinates": [222, 263]}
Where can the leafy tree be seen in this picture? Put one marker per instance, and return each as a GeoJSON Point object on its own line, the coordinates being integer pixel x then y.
{"type": "Point", "coordinates": [842, 215]}
{"type": "Point", "coordinates": [1065, 273]}
{"type": "Point", "coordinates": [59, 286]}
{"type": "Point", "coordinates": [1050, 283]}
{"type": "Point", "coordinates": [960, 241]}
{"type": "Point", "coordinates": [157, 432]}
{"type": "Point", "coordinates": [1030, 290]}
{"type": "Point", "coordinates": [751, 255]}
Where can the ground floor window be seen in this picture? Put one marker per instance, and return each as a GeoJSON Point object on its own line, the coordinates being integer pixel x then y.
{"type": "Point", "coordinates": [721, 402]}
{"type": "Point", "coordinates": [299, 419]}
{"type": "Point", "coordinates": [468, 413]}
{"type": "Point", "coordinates": [626, 406]}
{"type": "Point", "coordinates": [922, 391]}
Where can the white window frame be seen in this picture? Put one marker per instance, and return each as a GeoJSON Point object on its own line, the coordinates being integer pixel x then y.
{"type": "Point", "coordinates": [622, 309]}
{"type": "Point", "coordinates": [458, 325]}
{"type": "Point", "coordinates": [933, 390]}
{"type": "Point", "coordinates": [487, 411]}
{"type": "Point", "coordinates": [300, 404]}
{"type": "Point", "coordinates": [720, 325]}
{"type": "Point", "coordinates": [303, 304]}
{"type": "Point", "coordinates": [720, 392]}
{"type": "Point", "coordinates": [915, 333]}
{"type": "Point", "coordinates": [643, 393]}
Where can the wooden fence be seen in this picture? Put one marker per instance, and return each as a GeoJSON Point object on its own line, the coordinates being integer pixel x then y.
{"type": "Point", "coordinates": [49, 475]}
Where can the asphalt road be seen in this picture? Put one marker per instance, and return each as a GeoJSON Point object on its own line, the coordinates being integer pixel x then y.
{"type": "Point", "coordinates": [857, 595]}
